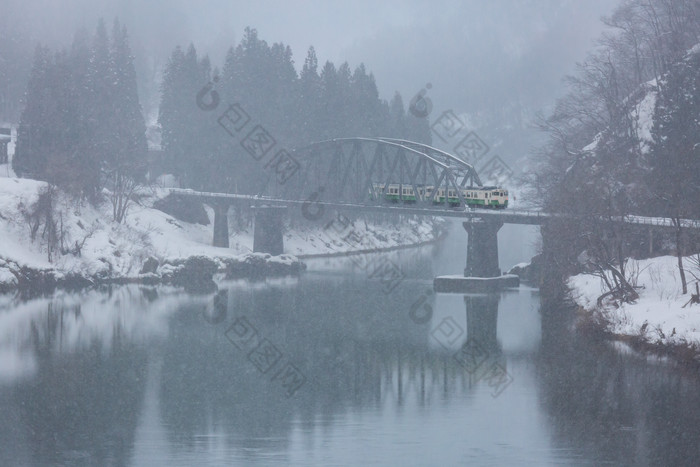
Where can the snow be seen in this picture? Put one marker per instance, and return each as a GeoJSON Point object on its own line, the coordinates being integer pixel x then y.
{"type": "Point", "coordinates": [13, 193]}
{"type": "Point", "coordinates": [694, 50]}
{"type": "Point", "coordinates": [6, 170]}
{"type": "Point", "coordinates": [643, 114]}
{"type": "Point", "coordinates": [591, 147]}
{"type": "Point", "coordinates": [6, 277]}
{"type": "Point", "coordinates": [477, 279]}
{"type": "Point", "coordinates": [119, 250]}
{"type": "Point", "coordinates": [658, 315]}
{"type": "Point", "coordinates": [167, 181]}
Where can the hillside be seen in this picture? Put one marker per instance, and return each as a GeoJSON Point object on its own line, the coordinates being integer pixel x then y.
{"type": "Point", "coordinates": [89, 245]}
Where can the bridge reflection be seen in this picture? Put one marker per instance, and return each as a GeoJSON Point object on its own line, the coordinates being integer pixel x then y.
{"type": "Point", "coordinates": [345, 365]}
{"type": "Point", "coordinates": [111, 368]}
{"type": "Point", "coordinates": [98, 357]}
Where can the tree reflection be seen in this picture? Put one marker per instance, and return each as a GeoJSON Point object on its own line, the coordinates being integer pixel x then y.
{"type": "Point", "coordinates": [617, 407]}
{"type": "Point", "coordinates": [351, 359]}
{"type": "Point", "coordinates": [82, 407]}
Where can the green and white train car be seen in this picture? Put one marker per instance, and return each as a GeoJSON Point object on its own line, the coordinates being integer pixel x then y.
{"type": "Point", "coordinates": [476, 197]}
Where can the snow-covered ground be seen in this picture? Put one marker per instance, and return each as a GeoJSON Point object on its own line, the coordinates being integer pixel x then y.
{"type": "Point", "coordinates": [120, 250]}
{"type": "Point", "coordinates": [658, 316]}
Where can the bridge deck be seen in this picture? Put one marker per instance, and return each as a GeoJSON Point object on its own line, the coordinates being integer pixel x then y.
{"type": "Point", "coordinates": [507, 216]}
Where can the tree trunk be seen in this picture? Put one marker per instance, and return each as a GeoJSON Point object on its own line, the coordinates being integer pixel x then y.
{"type": "Point", "coordinates": [679, 254]}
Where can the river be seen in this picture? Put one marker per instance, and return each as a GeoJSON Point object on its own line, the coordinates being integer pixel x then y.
{"type": "Point", "coordinates": [344, 365]}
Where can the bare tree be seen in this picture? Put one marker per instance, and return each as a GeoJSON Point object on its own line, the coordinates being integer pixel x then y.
{"type": "Point", "coordinates": [122, 190]}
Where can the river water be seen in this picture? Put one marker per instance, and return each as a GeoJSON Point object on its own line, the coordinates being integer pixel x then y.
{"type": "Point", "coordinates": [342, 366]}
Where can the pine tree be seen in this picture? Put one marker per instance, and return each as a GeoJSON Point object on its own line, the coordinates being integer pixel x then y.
{"type": "Point", "coordinates": [365, 104]}
{"type": "Point", "coordinates": [343, 103]}
{"type": "Point", "coordinates": [83, 123]}
{"type": "Point", "coordinates": [124, 163]}
{"type": "Point", "coordinates": [128, 155]}
{"type": "Point", "coordinates": [418, 129]}
{"type": "Point", "coordinates": [99, 109]}
{"type": "Point", "coordinates": [262, 82]}
{"type": "Point", "coordinates": [179, 115]}
{"type": "Point", "coordinates": [309, 100]}
{"type": "Point", "coordinates": [82, 163]}
{"type": "Point", "coordinates": [171, 110]}
{"type": "Point", "coordinates": [398, 117]}
{"type": "Point", "coordinates": [33, 142]}
{"type": "Point", "coordinates": [330, 111]}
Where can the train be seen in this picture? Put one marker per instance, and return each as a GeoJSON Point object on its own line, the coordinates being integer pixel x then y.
{"type": "Point", "coordinates": [489, 197]}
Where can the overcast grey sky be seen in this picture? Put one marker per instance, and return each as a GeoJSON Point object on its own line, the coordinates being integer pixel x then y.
{"type": "Point", "coordinates": [476, 54]}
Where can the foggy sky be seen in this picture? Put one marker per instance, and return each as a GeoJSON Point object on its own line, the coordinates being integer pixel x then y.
{"type": "Point", "coordinates": [475, 54]}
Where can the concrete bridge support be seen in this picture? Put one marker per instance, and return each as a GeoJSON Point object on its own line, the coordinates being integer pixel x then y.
{"type": "Point", "coordinates": [267, 236]}
{"type": "Point", "coordinates": [482, 248]}
{"type": "Point", "coordinates": [220, 223]}
{"type": "Point", "coordinates": [482, 321]}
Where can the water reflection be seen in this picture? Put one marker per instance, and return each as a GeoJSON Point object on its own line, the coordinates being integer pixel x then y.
{"type": "Point", "coordinates": [78, 401]}
{"type": "Point", "coordinates": [617, 406]}
{"type": "Point", "coordinates": [364, 355]}
{"type": "Point", "coordinates": [132, 376]}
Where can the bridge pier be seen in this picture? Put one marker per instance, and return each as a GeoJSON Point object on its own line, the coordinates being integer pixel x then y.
{"type": "Point", "coordinates": [481, 274]}
{"type": "Point", "coordinates": [267, 234]}
{"type": "Point", "coordinates": [482, 320]}
{"type": "Point", "coordinates": [220, 223]}
{"type": "Point", "coordinates": [482, 248]}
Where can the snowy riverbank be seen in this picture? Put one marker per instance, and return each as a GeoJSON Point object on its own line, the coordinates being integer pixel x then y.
{"type": "Point", "coordinates": [658, 318]}
{"type": "Point", "coordinates": [150, 245]}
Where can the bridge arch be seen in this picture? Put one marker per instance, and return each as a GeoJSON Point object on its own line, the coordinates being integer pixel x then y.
{"type": "Point", "coordinates": [360, 170]}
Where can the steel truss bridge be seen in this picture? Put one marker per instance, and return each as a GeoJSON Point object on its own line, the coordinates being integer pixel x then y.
{"type": "Point", "coordinates": [353, 174]}
{"type": "Point", "coordinates": [351, 170]}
